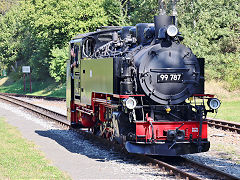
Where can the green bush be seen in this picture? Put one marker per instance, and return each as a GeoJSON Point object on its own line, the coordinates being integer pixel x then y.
{"type": "Point", "coordinates": [58, 61]}
{"type": "Point", "coordinates": [34, 32]}
{"type": "Point", "coordinates": [30, 30]}
{"type": "Point", "coordinates": [211, 30]}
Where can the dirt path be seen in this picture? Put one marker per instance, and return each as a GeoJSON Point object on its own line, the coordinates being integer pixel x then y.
{"type": "Point", "coordinates": [3, 80]}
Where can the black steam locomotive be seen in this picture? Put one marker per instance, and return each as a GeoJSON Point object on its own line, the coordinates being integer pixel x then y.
{"type": "Point", "coordinates": [139, 86]}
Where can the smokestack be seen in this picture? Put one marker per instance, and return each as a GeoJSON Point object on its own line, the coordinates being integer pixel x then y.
{"type": "Point", "coordinates": [162, 7]}
{"type": "Point", "coordinates": [174, 11]}
{"type": "Point", "coordinates": [163, 21]}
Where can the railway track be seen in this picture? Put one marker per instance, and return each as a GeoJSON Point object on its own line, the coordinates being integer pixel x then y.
{"type": "Point", "coordinates": [46, 113]}
{"type": "Point", "coordinates": [173, 168]}
{"type": "Point", "coordinates": [35, 97]}
{"type": "Point", "coordinates": [224, 125]}
{"type": "Point", "coordinates": [196, 170]}
{"type": "Point", "coordinates": [216, 123]}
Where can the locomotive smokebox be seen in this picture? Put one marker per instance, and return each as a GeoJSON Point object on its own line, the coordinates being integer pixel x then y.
{"type": "Point", "coordinates": [163, 21]}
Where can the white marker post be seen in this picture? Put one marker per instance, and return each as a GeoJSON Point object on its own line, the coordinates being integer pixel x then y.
{"type": "Point", "coordinates": [26, 69]}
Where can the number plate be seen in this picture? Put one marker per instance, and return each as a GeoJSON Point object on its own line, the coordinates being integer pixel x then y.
{"type": "Point", "coordinates": [169, 77]}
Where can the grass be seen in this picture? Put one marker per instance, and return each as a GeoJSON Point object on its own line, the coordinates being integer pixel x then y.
{"type": "Point", "coordinates": [39, 88]}
{"type": "Point", "coordinates": [230, 101]}
{"type": "Point", "coordinates": [226, 151]}
{"type": "Point", "coordinates": [20, 160]}
{"type": "Point", "coordinates": [229, 111]}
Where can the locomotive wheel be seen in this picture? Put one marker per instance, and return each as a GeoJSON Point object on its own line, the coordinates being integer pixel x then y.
{"type": "Point", "coordinates": [109, 130]}
{"type": "Point", "coordinates": [109, 135]}
{"type": "Point", "coordinates": [102, 130]}
{"type": "Point", "coordinates": [115, 127]}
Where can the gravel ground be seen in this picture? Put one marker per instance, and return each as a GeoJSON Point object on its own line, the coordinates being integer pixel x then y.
{"type": "Point", "coordinates": [74, 154]}
{"type": "Point", "coordinates": [224, 153]}
{"type": "Point", "coordinates": [57, 106]}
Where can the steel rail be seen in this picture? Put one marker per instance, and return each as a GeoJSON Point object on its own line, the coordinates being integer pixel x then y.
{"type": "Point", "coordinates": [224, 125]}
{"type": "Point", "coordinates": [207, 170]}
{"type": "Point", "coordinates": [36, 97]}
{"type": "Point", "coordinates": [219, 174]}
{"type": "Point", "coordinates": [62, 119]}
{"type": "Point", "coordinates": [172, 169]}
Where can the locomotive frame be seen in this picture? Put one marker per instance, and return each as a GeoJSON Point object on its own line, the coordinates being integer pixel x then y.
{"type": "Point", "coordinates": [117, 84]}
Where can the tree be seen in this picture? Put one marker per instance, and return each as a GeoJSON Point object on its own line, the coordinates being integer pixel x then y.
{"type": "Point", "coordinates": [212, 30]}
{"type": "Point", "coordinates": [141, 11]}
{"type": "Point", "coordinates": [117, 11]}
{"type": "Point", "coordinates": [57, 67]}
{"type": "Point", "coordinates": [31, 30]}
{"type": "Point", "coordinates": [5, 5]}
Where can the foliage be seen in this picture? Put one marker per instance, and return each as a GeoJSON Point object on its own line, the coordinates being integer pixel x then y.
{"type": "Point", "coordinates": [212, 30]}
{"type": "Point", "coordinates": [57, 67]}
{"type": "Point", "coordinates": [8, 45]}
{"type": "Point", "coordinates": [5, 5]}
{"type": "Point", "coordinates": [142, 11]}
{"type": "Point", "coordinates": [32, 32]}
{"type": "Point", "coordinates": [117, 11]}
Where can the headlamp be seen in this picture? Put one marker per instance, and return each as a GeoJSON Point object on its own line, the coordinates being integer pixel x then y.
{"type": "Point", "coordinates": [214, 103]}
{"type": "Point", "coordinates": [130, 103]}
{"type": "Point", "coordinates": [172, 30]}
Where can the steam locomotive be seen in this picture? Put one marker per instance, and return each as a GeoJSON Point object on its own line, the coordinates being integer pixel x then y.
{"type": "Point", "coordinates": [139, 86]}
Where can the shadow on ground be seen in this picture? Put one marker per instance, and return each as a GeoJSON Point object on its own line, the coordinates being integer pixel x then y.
{"type": "Point", "coordinates": [77, 143]}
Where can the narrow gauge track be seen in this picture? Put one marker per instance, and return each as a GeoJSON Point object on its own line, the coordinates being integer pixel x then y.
{"type": "Point", "coordinates": [224, 125]}
{"type": "Point", "coordinates": [46, 113]}
{"type": "Point", "coordinates": [216, 123]}
{"type": "Point", "coordinates": [36, 97]}
{"type": "Point", "coordinates": [201, 168]}
{"type": "Point", "coordinates": [163, 164]}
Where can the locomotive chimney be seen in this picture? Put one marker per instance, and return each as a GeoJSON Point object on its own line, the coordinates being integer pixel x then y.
{"type": "Point", "coordinates": [162, 21]}
{"type": "Point", "coordinates": [174, 11]}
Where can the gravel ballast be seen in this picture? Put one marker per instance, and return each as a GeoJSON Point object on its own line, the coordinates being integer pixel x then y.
{"type": "Point", "coordinates": [224, 153]}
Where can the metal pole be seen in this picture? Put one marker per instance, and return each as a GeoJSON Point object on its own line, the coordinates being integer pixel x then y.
{"type": "Point", "coordinates": [200, 118]}
{"type": "Point", "coordinates": [30, 82]}
{"type": "Point", "coordinates": [24, 82]}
